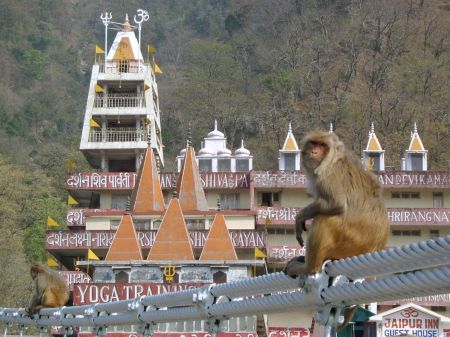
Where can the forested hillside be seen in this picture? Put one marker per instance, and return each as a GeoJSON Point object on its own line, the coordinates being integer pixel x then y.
{"type": "Point", "coordinates": [254, 65]}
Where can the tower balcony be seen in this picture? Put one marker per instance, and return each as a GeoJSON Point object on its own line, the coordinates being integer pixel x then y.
{"type": "Point", "coordinates": [117, 134]}
{"type": "Point", "coordinates": [122, 66]}
{"type": "Point", "coordinates": [119, 101]}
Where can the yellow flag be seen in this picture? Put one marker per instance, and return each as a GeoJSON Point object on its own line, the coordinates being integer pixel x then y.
{"type": "Point", "coordinates": [99, 50]}
{"type": "Point", "coordinates": [91, 255]}
{"type": "Point", "coordinates": [150, 49]}
{"type": "Point", "coordinates": [146, 87]}
{"type": "Point", "coordinates": [71, 201]}
{"type": "Point", "coordinates": [93, 123]}
{"type": "Point", "coordinates": [158, 69]}
{"type": "Point", "coordinates": [51, 222]}
{"type": "Point", "coordinates": [98, 88]}
{"type": "Point", "coordinates": [259, 253]}
{"type": "Point", "coordinates": [70, 164]}
{"type": "Point", "coordinates": [51, 262]}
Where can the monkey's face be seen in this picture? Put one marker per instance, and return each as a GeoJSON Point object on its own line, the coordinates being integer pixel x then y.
{"type": "Point", "coordinates": [313, 154]}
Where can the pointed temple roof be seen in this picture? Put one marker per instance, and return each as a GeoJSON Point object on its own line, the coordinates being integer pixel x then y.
{"type": "Point", "coordinates": [189, 185]}
{"type": "Point", "coordinates": [147, 195]}
{"type": "Point", "coordinates": [218, 245]}
{"type": "Point", "coordinates": [172, 241]}
{"type": "Point", "coordinates": [290, 144]}
{"type": "Point", "coordinates": [125, 45]}
{"type": "Point", "coordinates": [125, 245]}
{"type": "Point", "coordinates": [373, 145]}
{"type": "Point", "coordinates": [416, 144]}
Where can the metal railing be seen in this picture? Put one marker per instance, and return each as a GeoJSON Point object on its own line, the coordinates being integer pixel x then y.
{"type": "Point", "coordinates": [119, 101]}
{"type": "Point", "coordinates": [117, 135]}
{"type": "Point", "coordinates": [330, 291]}
{"type": "Point", "coordinates": [121, 66]}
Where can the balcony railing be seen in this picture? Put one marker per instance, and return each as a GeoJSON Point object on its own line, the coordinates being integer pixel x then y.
{"type": "Point", "coordinates": [117, 135]}
{"type": "Point", "coordinates": [122, 101]}
{"type": "Point", "coordinates": [122, 66]}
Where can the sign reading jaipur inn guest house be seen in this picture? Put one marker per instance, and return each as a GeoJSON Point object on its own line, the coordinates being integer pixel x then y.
{"type": "Point", "coordinates": [411, 319]}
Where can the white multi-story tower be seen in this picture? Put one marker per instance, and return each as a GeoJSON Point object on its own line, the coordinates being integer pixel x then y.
{"type": "Point", "coordinates": [122, 110]}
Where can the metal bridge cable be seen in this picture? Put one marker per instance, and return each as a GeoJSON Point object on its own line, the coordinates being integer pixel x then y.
{"type": "Point", "coordinates": [424, 254]}
{"type": "Point", "coordinates": [419, 283]}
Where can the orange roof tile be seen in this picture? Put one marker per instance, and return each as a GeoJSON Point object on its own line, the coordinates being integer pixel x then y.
{"type": "Point", "coordinates": [172, 241]}
{"type": "Point", "coordinates": [147, 195]}
{"type": "Point", "coordinates": [218, 245]}
{"type": "Point", "coordinates": [373, 144]}
{"type": "Point", "coordinates": [189, 185]}
{"type": "Point", "coordinates": [125, 245]}
{"type": "Point", "coordinates": [416, 144]}
{"type": "Point", "coordinates": [124, 51]}
{"type": "Point", "coordinates": [290, 144]}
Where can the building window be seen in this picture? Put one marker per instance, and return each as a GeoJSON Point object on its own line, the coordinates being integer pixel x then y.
{"type": "Point", "coordinates": [438, 200]}
{"type": "Point", "coordinates": [405, 195]}
{"type": "Point", "coordinates": [205, 165]}
{"type": "Point", "coordinates": [282, 231]}
{"type": "Point", "coordinates": [416, 162]}
{"type": "Point", "coordinates": [415, 232]}
{"type": "Point", "coordinates": [195, 224]}
{"type": "Point", "coordinates": [434, 233]}
{"type": "Point", "coordinates": [142, 225]}
{"type": "Point", "coordinates": [374, 161]}
{"type": "Point", "coordinates": [242, 165]}
{"type": "Point", "coordinates": [223, 165]}
{"type": "Point", "coordinates": [270, 198]}
{"type": "Point", "coordinates": [289, 161]}
{"type": "Point", "coordinates": [121, 276]}
{"type": "Point", "coordinates": [229, 200]}
{"type": "Point", "coordinates": [119, 201]}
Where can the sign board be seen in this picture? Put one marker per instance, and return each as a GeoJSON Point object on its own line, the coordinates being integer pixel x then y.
{"type": "Point", "coordinates": [173, 334]}
{"type": "Point", "coordinates": [410, 321]}
{"type": "Point", "coordinates": [91, 293]}
{"type": "Point", "coordinates": [74, 239]}
{"type": "Point", "coordinates": [288, 332]}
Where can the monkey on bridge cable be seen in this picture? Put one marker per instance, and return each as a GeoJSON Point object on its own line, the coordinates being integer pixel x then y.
{"type": "Point", "coordinates": [49, 289]}
{"type": "Point", "coordinates": [349, 217]}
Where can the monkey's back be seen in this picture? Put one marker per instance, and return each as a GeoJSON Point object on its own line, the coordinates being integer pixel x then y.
{"type": "Point", "coordinates": [363, 226]}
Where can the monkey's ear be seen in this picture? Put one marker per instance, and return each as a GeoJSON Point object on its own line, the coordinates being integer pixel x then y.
{"type": "Point", "coordinates": [340, 148]}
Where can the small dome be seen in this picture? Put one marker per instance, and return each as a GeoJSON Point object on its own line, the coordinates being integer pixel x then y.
{"type": "Point", "coordinates": [183, 152]}
{"type": "Point", "coordinates": [215, 133]}
{"type": "Point", "coordinates": [204, 152]}
{"type": "Point", "coordinates": [224, 152]}
{"type": "Point", "coordinates": [242, 151]}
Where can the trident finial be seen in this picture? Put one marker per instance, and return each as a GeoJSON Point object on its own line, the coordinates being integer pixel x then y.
{"type": "Point", "coordinates": [189, 135]}
{"type": "Point", "coordinates": [106, 18]}
{"type": "Point", "coordinates": [415, 127]}
{"type": "Point", "coordinates": [331, 128]}
{"type": "Point", "coordinates": [290, 128]}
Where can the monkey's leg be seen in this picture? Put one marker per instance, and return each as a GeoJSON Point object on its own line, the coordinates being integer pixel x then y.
{"type": "Point", "coordinates": [321, 241]}
{"type": "Point", "coordinates": [295, 267]}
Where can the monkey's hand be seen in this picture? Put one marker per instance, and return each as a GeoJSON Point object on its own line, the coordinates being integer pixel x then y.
{"type": "Point", "coordinates": [300, 226]}
{"type": "Point", "coordinates": [295, 267]}
{"type": "Point", "coordinates": [299, 237]}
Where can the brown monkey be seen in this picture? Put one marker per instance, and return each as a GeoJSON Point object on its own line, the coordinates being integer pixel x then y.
{"type": "Point", "coordinates": [49, 289]}
{"type": "Point", "coordinates": [349, 217]}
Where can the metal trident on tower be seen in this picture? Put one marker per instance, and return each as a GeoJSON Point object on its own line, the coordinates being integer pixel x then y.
{"type": "Point", "coordinates": [143, 17]}
{"type": "Point", "coordinates": [106, 19]}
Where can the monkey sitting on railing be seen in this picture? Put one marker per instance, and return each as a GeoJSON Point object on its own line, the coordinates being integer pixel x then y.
{"type": "Point", "coordinates": [49, 289]}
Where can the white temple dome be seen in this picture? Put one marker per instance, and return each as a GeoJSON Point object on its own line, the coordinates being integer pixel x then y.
{"type": "Point", "coordinates": [224, 152]}
{"type": "Point", "coordinates": [204, 152]}
{"type": "Point", "coordinates": [242, 151]}
{"type": "Point", "coordinates": [183, 152]}
{"type": "Point", "coordinates": [215, 133]}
